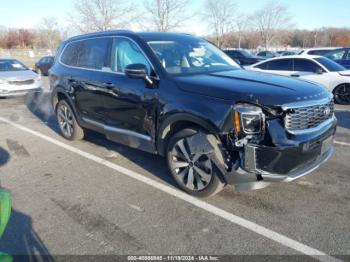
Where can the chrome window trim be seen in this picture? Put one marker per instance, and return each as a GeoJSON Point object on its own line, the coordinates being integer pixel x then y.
{"type": "Point", "coordinates": [97, 70]}
{"type": "Point", "coordinates": [117, 130]}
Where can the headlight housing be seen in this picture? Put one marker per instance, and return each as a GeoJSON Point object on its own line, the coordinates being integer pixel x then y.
{"type": "Point", "coordinates": [248, 119]}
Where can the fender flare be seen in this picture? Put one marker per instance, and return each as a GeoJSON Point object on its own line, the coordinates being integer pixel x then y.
{"type": "Point", "coordinates": [164, 130]}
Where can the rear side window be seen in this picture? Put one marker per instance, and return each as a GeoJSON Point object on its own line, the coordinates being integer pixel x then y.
{"type": "Point", "coordinates": [304, 65]}
{"type": "Point", "coordinates": [280, 65]}
{"type": "Point", "coordinates": [90, 54]}
{"type": "Point", "coordinates": [262, 66]}
{"type": "Point", "coordinates": [71, 53]}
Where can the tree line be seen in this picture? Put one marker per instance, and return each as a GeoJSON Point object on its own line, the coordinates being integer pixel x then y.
{"type": "Point", "coordinates": [269, 26]}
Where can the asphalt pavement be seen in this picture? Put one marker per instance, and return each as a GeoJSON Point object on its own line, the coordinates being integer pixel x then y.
{"type": "Point", "coordinates": [98, 197]}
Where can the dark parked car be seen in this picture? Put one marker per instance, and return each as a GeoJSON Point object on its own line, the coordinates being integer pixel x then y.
{"type": "Point", "coordinates": [341, 56]}
{"type": "Point", "coordinates": [266, 54]}
{"type": "Point", "coordinates": [243, 57]}
{"type": "Point", "coordinates": [43, 65]}
{"type": "Point", "coordinates": [285, 53]}
{"type": "Point", "coordinates": [179, 96]}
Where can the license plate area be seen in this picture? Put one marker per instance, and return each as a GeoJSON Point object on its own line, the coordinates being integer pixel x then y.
{"type": "Point", "coordinates": [326, 144]}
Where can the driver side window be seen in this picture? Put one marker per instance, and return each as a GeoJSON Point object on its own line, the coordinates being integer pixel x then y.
{"type": "Point", "coordinates": [125, 52]}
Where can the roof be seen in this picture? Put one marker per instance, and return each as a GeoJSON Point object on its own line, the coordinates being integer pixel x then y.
{"type": "Point", "coordinates": [129, 33]}
{"type": "Point", "coordinates": [320, 48]}
{"type": "Point", "coordinates": [292, 56]}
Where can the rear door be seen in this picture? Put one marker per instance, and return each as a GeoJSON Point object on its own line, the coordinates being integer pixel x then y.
{"type": "Point", "coordinates": [89, 70]}
{"type": "Point", "coordinates": [280, 67]}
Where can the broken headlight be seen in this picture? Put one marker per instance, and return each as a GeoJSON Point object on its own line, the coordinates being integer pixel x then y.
{"type": "Point", "coordinates": [248, 119]}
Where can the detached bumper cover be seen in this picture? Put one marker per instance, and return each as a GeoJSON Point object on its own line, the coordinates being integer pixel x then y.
{"type": "Point", "coordinates": [291, 158]}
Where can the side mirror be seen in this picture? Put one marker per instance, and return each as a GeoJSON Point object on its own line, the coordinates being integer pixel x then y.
{"type": "Point", "coordinates": [136, 71]}
{"type": "Point", "coordinates": [5, 210]}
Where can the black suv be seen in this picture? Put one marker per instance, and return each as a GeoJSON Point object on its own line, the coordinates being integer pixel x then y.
{"type": "Point", "coordinates": [178, 96]}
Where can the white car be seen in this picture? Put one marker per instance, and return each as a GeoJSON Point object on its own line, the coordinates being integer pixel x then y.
{"type": "Point", "coordinates": [318, 69]}
{"type": "Point", "coordinates": [317, 50]}
{"type": "Point", "coordinates": [17, 79]}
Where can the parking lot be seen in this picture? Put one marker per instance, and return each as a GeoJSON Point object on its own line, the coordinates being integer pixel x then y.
{"type": "Point", "coordinates": [98, 197]}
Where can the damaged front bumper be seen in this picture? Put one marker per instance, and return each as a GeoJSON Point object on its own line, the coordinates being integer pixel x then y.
{"type": "Point", "coordinates": [289, 158]}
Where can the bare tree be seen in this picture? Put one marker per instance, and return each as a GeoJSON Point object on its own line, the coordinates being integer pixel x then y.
{"type": "Point", "coordinates": [165, 15]}
{"type": "Point", "coordinates": [220, 16]}
{"type": "Point", "coordinates": [270, 19]}
{"type": "Point", "coordinates": [48, 33]}
{"type": "Point", "coordinates": [100, 15]}
{"type": "Point", "coordinates": [242, 25]}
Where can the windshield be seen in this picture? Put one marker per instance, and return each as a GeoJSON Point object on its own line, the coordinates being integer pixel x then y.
{"type": "Point", "coordinates": [11, 65]}
{"type": "Point", "coordinates": [191, 56]}
{"type": "Point", "coordinates": [330, 65]}
{"type": "Point", "coordinates": [336, 54]}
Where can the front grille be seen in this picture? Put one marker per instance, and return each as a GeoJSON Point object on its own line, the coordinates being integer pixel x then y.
{"type": "Point", "coordinates": [21, 83]}
{"type": "Point", "coordinates": [303, 118]}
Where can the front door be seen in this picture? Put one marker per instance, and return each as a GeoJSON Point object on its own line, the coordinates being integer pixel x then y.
{"type": "Point", "coordinates": [130, 106]}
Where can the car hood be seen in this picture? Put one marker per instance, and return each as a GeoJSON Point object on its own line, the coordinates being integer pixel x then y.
{"type": "Point", "coordinates": [17, 75]}
{"type": "Point", "coordinates": [255, 87]}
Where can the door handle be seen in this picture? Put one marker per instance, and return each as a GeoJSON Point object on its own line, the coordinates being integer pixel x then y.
{"type": "Point", "coordinates": [295, 75]}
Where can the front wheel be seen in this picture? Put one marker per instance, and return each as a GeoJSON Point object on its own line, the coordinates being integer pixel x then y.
{"type": "Point", "coordinates": [342, 94]}
{"type": "Point", "coordinates": [194, 172]}
{"type": "Point", "coordinates": [67, 122]}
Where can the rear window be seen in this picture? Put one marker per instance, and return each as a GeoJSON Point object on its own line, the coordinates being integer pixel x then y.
{"type": "Point", "coordinates": [90, 54]}
{"type": "Point", "coordinates": [330, 64]}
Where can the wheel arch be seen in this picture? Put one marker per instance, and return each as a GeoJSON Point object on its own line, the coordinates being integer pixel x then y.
{"type": "Point", "coordinates": [177, 122]}
{"type": "Point", "coordinates": [59, 94]}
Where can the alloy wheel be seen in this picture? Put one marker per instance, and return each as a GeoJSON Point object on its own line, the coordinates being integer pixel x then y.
{"type": "Point", "coordinates": [342, 94]}
{"type": "Point", "coordinates": [65, 120]}
{"type": "Point", "coordinates": [193, 170]}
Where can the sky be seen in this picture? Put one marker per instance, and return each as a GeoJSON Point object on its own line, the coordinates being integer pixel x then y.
{"type": "Point", "coordinates": [307, 14]}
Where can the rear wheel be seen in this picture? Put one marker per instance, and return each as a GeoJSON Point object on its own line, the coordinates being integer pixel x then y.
{"type": "Point", "coordinates": [342, 94]}
{"type": "Point", "coordinates": [67, 122]}
{"type": "Point", "coordinates": [194, 172]}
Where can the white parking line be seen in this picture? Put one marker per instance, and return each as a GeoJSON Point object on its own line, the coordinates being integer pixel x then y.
{"type": "Point", "coordinates": [341, 143]}
{"type": "Point", "coordinates": [261, 230]}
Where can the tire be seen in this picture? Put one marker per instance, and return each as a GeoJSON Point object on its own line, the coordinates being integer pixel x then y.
{"type": "Point", "coordinates": [185, 165]}
{"type": "Point", "coordinates": [67, 122]}
{"type": "Point", "coordinates": [342, 94]}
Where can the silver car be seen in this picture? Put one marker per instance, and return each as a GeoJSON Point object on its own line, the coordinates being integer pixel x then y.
{"type": "Point", "coordinates": [17, 79]}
